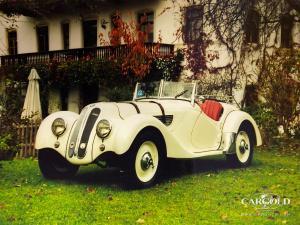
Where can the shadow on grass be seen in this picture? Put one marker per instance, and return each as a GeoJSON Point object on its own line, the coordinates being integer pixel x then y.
{"type": "Point", "coordinates": [98, 176]}
{"type": "Point", "coordinates": [114, 177]}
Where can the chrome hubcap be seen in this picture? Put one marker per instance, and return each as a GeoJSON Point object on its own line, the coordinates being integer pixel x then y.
{"type": "Point", "coordinates": [243, 146]}
{"type": "Point", "coordinates": [146, 161]}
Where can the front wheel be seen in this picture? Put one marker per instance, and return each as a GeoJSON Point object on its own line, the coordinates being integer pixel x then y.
{"type": "Point", "coordinates": [145, 160]}
{"type": "Point", "coordinates": [243, 149]}
{"type": "Point", "coordinates": [54, 166]}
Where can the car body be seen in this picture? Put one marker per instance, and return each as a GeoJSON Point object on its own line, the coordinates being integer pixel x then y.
{"type": "Point", "coordinates": [164, 120]}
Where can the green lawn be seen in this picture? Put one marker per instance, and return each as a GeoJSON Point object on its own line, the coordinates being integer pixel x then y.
{"type": "Point", "coordinates": [211, 194]}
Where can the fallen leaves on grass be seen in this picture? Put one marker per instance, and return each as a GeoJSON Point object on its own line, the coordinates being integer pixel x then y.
{"type": "Point", "coordinates": [109, 197]}
{"type": "Point", "coordinates": [147, 213]}
{"type": "Point", "coordinates": [224, 217]}
{"type": "Point", "coordinates": [270, 218]}
{"type": "Point", "coordinates": [285, 213]}
{"type": "Point", "coordinates": [27, 196]}
{"type": "Point", "coordinates": [140, 221]}
{"type": "Point", "coordinates": [2, 205]}
{"type": "Point", "coordinates": [11, 218]}
{"type": "Point", "coordinates": [90, 190]}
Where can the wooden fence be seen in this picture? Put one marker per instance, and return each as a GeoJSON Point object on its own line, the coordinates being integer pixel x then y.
{"type": "Point", "coordinates": [26, 140]}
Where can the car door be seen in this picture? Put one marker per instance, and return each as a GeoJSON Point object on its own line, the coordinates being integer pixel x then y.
{"type": "Point", "coordinates": [206, 134]}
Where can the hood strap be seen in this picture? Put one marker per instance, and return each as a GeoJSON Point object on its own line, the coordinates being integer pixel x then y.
{"type": "Point", "coordinates": [162, 111]}
{"type": "Point", "coordinates": [135, 106]}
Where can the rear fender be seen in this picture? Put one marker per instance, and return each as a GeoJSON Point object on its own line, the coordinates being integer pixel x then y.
{"type": "Point", "coordinates": [235, 119]}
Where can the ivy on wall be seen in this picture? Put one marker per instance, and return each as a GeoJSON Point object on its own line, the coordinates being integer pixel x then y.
{"type": "Point", "coordinates": [93, 71]}
{"type": "Point", "coordinates": [88, 72]}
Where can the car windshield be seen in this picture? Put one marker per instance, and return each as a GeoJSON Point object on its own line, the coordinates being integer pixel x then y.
{"type": "Point", "coordinates": [147, 90]}
{"type": "Point", "coordinates": [177, 90]}
{"type": "Point", "coordinates": [164, 89]}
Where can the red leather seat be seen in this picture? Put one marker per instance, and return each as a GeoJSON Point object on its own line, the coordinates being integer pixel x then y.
{"type": "Point", "coordinates": [212, 109]}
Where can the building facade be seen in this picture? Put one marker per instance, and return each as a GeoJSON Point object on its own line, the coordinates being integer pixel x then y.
{"type": "Point", "coordinates": [36, 38]}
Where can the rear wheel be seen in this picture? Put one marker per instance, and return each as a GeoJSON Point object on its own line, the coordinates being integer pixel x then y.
{"type": "Point", "coordinates": [243, 149]}
{"type": "Point", "coordinates": [146, 158]}
{"type": "Point", "coordinates": [54, 166]}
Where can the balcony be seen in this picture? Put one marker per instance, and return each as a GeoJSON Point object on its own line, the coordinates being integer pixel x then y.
{"type": "Point", "coordinates": [78, 54]}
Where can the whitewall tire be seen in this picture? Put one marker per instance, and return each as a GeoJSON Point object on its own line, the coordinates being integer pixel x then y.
{"type": "Point", "coordinates": [146, 157]}
{"type": "Point", "coordinates": [244, 146]}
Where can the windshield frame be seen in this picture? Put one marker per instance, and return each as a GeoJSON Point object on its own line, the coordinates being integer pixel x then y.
{"type": "Point", "coordinates": [160, 92]}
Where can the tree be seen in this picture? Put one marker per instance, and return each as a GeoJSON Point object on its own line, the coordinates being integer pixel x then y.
{"type": "Point", "coordinates": [247, 30]}
{"type": "Point", "coordinates": [255, 35]}
{"type": "Point", "coordinates": [138, 57]}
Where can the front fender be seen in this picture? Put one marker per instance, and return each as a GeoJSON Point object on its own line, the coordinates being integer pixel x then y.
{"type": "Point", "coordinates": [125, 131]}
{"type": "Point", "coordinates": [46, 139]}
{"type": "Point", "coordinates": [235, 119]}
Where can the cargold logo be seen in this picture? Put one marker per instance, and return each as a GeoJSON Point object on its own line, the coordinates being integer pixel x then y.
{"type": "Point", "coordinates": [266, 201]}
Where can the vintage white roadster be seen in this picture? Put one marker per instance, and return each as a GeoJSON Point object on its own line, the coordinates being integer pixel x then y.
{"type": "Point", "coordinates": [164, 120]}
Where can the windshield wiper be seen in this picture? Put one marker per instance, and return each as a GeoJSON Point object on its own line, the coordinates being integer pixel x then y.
{"type": "Point", "coordinates": [181, 93]}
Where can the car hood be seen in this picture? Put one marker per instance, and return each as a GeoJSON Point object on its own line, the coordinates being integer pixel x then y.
{"type": "Point", "coordinates": [149, 107]}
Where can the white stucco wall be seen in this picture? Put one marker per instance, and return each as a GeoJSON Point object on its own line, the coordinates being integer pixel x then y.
{"type": "Point", "coordinates": [76, 35]}
{"type": "Point", "coordinates": [166, 23]}
{"type": "Point", "coordinates": [55, 34]}
{"type": "Point", "coordinates": [26, 34]}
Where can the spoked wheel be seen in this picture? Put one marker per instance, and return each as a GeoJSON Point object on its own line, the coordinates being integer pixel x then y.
{"type": "Point", "coordinates": [54, 166]}
{"type": "Point", "coordinates": [243, 149]}
{"type": "Point", "coordinates": [145, 160]}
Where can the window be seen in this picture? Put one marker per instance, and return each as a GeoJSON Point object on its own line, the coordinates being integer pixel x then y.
{"type": "Point", "coordinates": [90, 33]}
{"type": "Point", "coordinates": [193, 29]}
{"type": "Point", "coordinates": [252, 27]}
{"type": "Point", "coordinates": [146, 22]}
{"type": "Point", "coordinates": [42, 38]}
{"type": "Point", "coordinates": [12, 42]}
{"type": "Point", "coordinates": [286, 23]}
{"type": "Point", "coordinates": [65, 27]}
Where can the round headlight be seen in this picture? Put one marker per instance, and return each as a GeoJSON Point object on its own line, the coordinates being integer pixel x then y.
{"type": "Point", "coordinates": [103, 128]}
{"type": "Point", "coordinates": [58, 127]}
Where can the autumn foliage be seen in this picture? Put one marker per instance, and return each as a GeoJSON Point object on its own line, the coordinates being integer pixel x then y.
{"type": "Point", "coordinates": [280, 86]}
{"type": "Point", "coordinates": [138, 56]}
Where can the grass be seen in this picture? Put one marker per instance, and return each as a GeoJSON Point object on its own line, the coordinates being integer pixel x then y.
{"type": "Point", "coordinates": [211, 194]}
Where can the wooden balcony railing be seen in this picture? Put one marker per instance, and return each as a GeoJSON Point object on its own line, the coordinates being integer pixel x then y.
{"type": "Point", "coordinates": [79, 53]}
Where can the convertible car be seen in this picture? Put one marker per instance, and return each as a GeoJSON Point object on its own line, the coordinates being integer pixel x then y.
{"type": "Point", "coordinates": [164, 120]}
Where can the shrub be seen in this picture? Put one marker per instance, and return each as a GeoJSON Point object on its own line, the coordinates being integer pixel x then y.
{"type": "Point", "coordinates": [10, 111]}
{"type": "Point", "coordinates": [266, 121]}
{"type": "Point", "coordinates": [280, 85]}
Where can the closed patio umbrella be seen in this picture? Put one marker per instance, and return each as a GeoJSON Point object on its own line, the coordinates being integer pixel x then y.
{"type": "Point", "coordinates": [32, 106]}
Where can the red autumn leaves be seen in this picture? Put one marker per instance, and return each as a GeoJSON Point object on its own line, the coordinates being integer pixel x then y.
{"type": "Point", "coordinates": [138, 56]}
